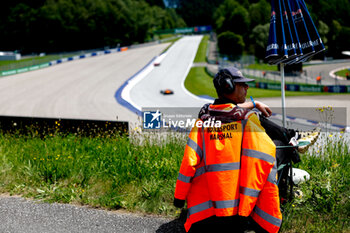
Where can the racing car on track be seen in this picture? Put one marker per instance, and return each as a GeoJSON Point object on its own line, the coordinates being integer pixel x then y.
{"type": "Point", "coordinates": [166, 92]}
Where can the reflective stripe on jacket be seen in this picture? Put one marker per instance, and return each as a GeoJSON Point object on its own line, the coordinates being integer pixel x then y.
{"type": "Point", "coordinates": [228, 171]}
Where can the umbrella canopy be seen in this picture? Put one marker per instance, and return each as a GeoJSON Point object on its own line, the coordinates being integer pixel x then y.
{"type": "Point", "coordinates": [293, 37]}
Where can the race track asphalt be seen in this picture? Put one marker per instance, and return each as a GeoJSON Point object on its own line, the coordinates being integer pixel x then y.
{"type": "Point", "coordinates": [85, 89]}
{"type": "Point", "coordinates": [81, 89]}
{"type": "Point", "coordinates": [170, 74]}
{"type": "Point", "coordinates": [18, 215]}
{"type": "Point", "coordinates": [305, 107]}
{"type": "Point", "coordinates": [324, 70]}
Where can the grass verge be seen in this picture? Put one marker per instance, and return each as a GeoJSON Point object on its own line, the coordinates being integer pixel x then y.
{"type": "Point", "coordinates": [109, 172]}
{"type": "Point", "coordinates": [113, 172]}
{"type": "Point", "coordinates": [323, 205]}
{"type": "Point", "coordinates": [342, 73]}
{"type": "Point", "coordinates": [172, 41]}
{"type": "Point", "coordinates": [199, 82]}
{"type": "Point", "coordinates": [266, 67]}
{"type": "Point", "coordinates": [201, 55]}
{"type": "Point", "coordinates": [26, 62]}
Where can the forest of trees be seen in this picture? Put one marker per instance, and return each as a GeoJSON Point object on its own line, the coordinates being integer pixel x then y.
{"type": "Point", "coordinates": [247, 22]}
{"type": "Point", "coordinates": [66, 25]}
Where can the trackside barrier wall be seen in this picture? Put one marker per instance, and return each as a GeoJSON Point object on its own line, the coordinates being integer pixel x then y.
{"type": "Point", "coordinates": [301, 87]}
{"type": "Point", "coordinates": [59, 61]}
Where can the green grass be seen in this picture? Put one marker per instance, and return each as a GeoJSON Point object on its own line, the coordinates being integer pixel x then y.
{"type": "Point", "coordinates": [199, 82]}
{"type": "Point", "coordinates": [262, 67]}
{"type": "Point", "coordinates": [10, 65]}
{"type": "Point", "coordinates": [165, 36]}
{"type": "Point", "coordinates": [113, 173]}
{"type": "Point", "coordinates": [343, 73]}
{"type": "Point", "coordinates": [324, 205]}
{"type": "Point", "coordinates": [107, 172]}
{"type": "Point", "coordinates": [201, 55]}
{"type": "Point", "coordinates": [171, 41]}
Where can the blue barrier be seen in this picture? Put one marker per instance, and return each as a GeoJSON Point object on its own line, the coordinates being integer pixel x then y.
{"type": "Point", "coordinates": [335, 89]}
{"type": "Point", "coordinates": [300, 87]}
{"type": "Point", "coordinates": [292, 87]}
{"type": "Point", "coordinates": [54, 62]}
{"type": "Point", "coordinates": [118, 94]}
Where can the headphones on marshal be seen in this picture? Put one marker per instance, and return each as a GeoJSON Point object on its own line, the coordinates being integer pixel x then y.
{"type": "Point", "coordinates": [223, 82]}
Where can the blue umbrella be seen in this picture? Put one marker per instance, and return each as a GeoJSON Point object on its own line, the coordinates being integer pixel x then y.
{"type": "Point", "coordinates": [294, 34]}
{"type": "Point", "coordinates": [302, 31]}
{"type": "Point", "coordinates": [277, 39]}
{"type": "Point", "coordinates": [291, 46]}
{"type": "Point", "coordinates": [272, 44]}
{"type": "Point", "coordinates": [315, 37]}
{"type": "Point", "coordinates": [293, 37]}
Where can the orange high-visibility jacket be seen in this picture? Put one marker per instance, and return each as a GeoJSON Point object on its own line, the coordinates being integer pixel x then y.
{"type": "Point", "coordinates": [228, 171]}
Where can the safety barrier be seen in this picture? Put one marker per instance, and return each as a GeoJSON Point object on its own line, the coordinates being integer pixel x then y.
{"type": "Point", "coordinates": [301, 87]}
{"type": "Point", "coordinates": [63, 60]}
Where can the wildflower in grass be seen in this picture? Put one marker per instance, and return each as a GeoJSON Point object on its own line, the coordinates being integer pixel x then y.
{"type": "Point", "coordinates": [335, 165]}
{"type": "Point", "coordinates": [331, 135]}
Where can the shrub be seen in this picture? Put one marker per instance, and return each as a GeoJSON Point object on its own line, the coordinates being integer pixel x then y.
{"type": "Point", "coordinates": [230, 44]}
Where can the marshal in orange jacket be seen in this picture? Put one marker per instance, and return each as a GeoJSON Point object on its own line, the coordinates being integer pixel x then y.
{"type": "Point", "coordinates": [229, 171]}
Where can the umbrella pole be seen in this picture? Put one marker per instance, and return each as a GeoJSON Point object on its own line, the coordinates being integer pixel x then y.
{"type": "Point", "coordinates": [283, 96]}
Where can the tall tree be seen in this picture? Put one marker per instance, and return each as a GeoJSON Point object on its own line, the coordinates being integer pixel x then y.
{"type": "Point", "coordinates": [259, 13]}
{"type": "Point", "coordinates": [230, 44]}
{"type": "Point", "coordinates": [259, 38]}
{"type": "Point", "coordinates": [196, 12]}
{"type": "Point", "coordinates": [232, 16]}
{"type": "Point", "coordinates": [159, 3]}
{"type": "Point", "coordinates": [65, 25]}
